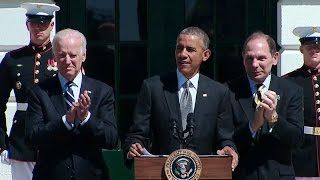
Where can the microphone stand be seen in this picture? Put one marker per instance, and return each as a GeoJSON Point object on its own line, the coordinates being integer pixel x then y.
{"type": "Point", "coordinates": [189, 129]}
{"type": "Point", "coordinates": [179, 135]}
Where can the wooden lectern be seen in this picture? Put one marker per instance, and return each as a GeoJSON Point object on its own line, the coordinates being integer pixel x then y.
{"type": "Point", "coordinates": [213, 167]}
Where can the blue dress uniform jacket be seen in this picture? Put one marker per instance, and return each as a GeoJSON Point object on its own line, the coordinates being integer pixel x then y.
{"type": "Point", "coordinates": [20, 69]}
{"type": "Point", "coordinates": [306, 158]}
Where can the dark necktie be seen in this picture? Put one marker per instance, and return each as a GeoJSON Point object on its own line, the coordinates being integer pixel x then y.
{"type": "Point", "coordinates": [185, 104]}
{"type": "Point", "coordinates": [68, 95]}
{"type": "Point", "coordinates": [258, 95]}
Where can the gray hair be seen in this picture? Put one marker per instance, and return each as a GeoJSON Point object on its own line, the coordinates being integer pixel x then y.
{"type": "Point", "coordinates": [195, 31]}
{"type": "Point", "coordinates": [67, 33]}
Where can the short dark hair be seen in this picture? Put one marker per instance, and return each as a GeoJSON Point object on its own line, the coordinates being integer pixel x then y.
{"type": "Point", "coordinates": [195, 31]}
{"type": "Point", "coordinates": [271, 43]}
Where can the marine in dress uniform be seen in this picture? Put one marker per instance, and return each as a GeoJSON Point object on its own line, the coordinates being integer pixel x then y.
{"type": "Point", "coordinates": [306, 159]}
{"type": "Point", "coordinates": [20, 69]}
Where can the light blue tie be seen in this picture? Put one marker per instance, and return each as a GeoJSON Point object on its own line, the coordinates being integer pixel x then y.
{"type": "Point", "coordinates": [185, 104]}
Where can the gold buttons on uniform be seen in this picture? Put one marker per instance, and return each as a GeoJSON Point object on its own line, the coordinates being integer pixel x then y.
{"type": "Point", "coordinates": [36, 71]}
{"type": "Point", "coordinates": [18, 85]}
{"type": "Point", "coordinates": [318, 110]}
{"type": "Point", "coordinates": [316, 85]}
{"type": "Point", "coordinates": [38, 55]}
{"type": "Point", "coordinates": [317, 101]}
{"type": "Point", "coordinates": [18, 74]}
{"type": "Point", "coordinates": [36, 80]}
{"type": "Point", "coordinates": [317, 93]}
{"type": "Point", "coordinates": [315, 78]}
{"type": "Point", "coordinates": [37, 63]}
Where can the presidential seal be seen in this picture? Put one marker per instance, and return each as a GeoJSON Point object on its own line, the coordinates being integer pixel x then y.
{"type": "Point", "coordinates": [183, 164]}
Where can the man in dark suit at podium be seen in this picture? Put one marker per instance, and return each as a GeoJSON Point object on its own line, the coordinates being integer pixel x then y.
{"type": "Point", "coordinates": [160, 112]}
{"type": "Point", "coordinates": [268, 114]}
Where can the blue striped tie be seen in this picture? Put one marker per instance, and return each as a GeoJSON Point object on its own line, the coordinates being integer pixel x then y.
{"type": "Point", "coordinates": [68, 94]}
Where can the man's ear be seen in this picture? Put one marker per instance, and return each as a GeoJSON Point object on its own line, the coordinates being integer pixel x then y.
{"type": "Point", "coordinates": [84, 55]}
{"type": "Point", "coordinates": [300, 48]}
{"type": "Point", "coordinates": [275, 58]}
{"type": "Point", "coordinates": [206, 54]}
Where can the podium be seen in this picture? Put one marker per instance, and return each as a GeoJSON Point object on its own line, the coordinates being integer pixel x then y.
{"type": "Point", "coordinates": [213, 167]}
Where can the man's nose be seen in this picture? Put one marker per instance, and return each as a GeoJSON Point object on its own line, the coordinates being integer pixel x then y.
{"type": "Point", "coordinates": [255, 62]}
{"type": "Point", "coordinates": [184, 52]}
{"type": "Point", "coordinates": [68, 59]}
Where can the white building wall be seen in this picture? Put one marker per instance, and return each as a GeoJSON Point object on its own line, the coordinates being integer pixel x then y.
{"type": "Point", "coordinates": [13, 34]}
{"type": "Point", "coordinates": [291, 14]}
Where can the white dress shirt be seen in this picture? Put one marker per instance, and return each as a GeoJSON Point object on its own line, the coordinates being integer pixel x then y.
{"type": "Point", "coordinates": [193, 86]}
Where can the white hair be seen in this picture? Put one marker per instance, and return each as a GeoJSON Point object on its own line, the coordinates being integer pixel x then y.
{"type": "Point", "coordinates": [67, 33]}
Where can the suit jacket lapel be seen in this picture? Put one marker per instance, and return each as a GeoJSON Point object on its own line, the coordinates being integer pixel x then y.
{"type": "Point", "coordinates": [56, 95]}
{"type": "Point", "coordinates": [244, 95]}
{"type": "Point", "coordinates": [84, 84]}
{"type": "Point", "coordinates": [274, 86]}
{"type": "Point", "coordinates": [200, 99]}
{"type": "Point", "coordinates": [170, 90]}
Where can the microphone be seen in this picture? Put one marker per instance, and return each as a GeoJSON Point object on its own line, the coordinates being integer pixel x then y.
{"type": "Point", "coordinates": [174, 127]}
{"type": "Point", "coordinates": [190, 123]}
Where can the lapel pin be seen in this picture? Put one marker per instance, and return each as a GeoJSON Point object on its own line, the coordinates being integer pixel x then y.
{"type": "Point", "coordinates": [204, 95]}
{"type": "Point", "coordinates": [278, 97]}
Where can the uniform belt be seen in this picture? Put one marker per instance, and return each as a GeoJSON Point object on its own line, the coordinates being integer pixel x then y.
{"type": "Point", "coordinates": [22, 106]}
{"type": "Point", "coordinates": [307, 178]}
{"type": "Point", "coordinates": [312, 130]}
